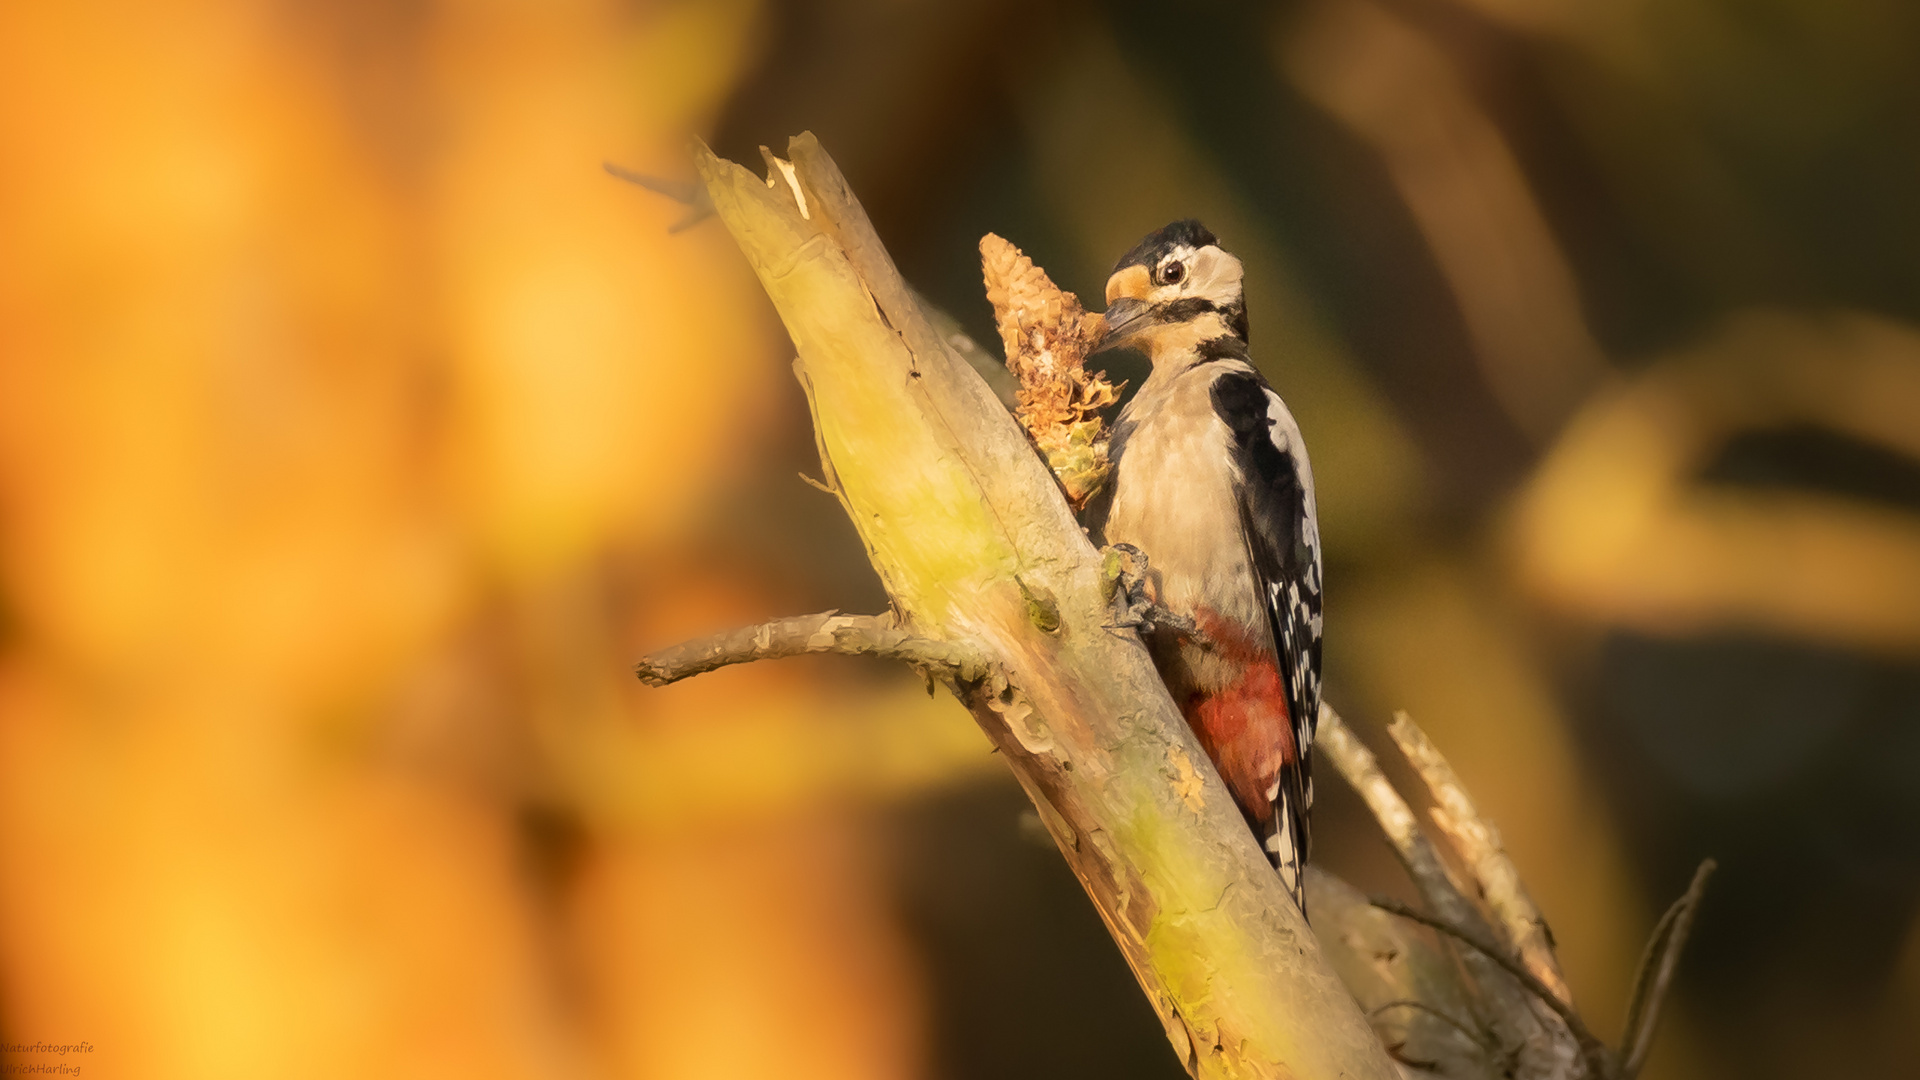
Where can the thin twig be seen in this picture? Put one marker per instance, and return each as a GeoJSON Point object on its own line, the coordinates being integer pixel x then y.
{"type": "Point", "coordinates": [827, 632]}
{"type": "Point", "coordinates": [1644, 1016]}
{"type": "Point", "coordinates": [1361, 770]}
{"type": "Point", "coordinates": [685, 192]}
{"type": "Point", "coordinates": [1649, 963]}
{"type": "Point", "coordinates": [1599, 1060]}
{"type": "Point", "coordinates": [1513, 910]}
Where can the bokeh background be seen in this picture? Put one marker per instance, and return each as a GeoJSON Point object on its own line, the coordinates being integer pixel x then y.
{"type": "Point", "coordinates": [357, 431]}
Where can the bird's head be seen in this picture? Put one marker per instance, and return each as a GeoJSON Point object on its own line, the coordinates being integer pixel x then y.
{"type": "Point", "coordinates": [1174, 290]}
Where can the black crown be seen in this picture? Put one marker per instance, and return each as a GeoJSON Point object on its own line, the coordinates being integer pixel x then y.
{"type": "Point", "coordinates": [1187, 232]}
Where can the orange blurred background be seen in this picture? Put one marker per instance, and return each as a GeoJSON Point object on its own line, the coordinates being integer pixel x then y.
{"type": "Point", "coordinates": [357, 431]}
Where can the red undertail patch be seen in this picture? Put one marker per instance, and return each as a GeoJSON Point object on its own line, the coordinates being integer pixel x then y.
{"type": "Point", "coordinates": [1244, 725]}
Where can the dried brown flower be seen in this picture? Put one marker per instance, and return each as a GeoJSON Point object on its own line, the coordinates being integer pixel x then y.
{"type": "Point", "coordinates": [1047, 335]}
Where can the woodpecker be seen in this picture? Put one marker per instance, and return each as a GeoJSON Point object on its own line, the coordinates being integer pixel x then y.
{"type": "Point", "coordinates": [1211, 483]}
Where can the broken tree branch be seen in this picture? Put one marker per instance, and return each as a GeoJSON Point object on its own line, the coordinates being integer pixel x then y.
{"type": "Point", "coordinates": [997, 592]}
{"type": "Point", "coordinates": [1506, 1010]}
{"type": "Point", "coordinates": [1513, 910]}
{"type": "Point", "coordinates": [974, 543]}
{"type": "Point", "coordinates": [1496, 968]}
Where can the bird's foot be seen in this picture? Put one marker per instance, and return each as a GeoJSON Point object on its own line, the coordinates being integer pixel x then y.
{"type": "Point", "coordinates": [1129, 584]}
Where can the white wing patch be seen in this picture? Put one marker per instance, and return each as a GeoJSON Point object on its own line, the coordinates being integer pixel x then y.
{"type": "Point", "coordinates": [1286, 436]}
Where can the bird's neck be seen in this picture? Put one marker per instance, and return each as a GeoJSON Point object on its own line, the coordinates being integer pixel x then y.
{"type": "Point", "coordinates": [1206, 336]}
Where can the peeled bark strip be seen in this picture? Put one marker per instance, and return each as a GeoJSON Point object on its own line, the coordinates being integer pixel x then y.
{"type": "Point", "coordinates": [976, 546]}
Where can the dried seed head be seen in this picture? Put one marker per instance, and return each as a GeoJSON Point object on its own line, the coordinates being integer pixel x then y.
{"type": "Point", "coordinates": [1047, 335]}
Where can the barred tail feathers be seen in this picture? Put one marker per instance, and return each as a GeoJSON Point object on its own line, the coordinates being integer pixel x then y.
{"type": "Point", "coordinates": [1286, 838]}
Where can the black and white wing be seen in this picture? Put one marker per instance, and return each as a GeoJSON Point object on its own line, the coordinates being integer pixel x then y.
{"type": "Point", "coordinates": [1282, 535]}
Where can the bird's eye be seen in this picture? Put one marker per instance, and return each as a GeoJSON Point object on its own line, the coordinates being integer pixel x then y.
{"type": "Point", "coordinates": [1173, 273]}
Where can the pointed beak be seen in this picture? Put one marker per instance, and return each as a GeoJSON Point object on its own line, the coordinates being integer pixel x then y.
{"type": "Point", "coordinates": [1126, 307]}
{"type": "Point", "coordinates": [1126, 319]}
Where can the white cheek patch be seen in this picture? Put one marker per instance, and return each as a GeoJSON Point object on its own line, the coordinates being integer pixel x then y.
{"type": "Point", "coordinates": [1215, 275]}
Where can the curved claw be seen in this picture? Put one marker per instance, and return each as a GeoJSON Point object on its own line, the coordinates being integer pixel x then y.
{"type": "Point", "coordinates": [1130, 589]}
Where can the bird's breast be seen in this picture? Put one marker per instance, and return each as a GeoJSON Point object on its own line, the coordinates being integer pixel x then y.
{"type": "Point", "coordinates": [1176, 499]}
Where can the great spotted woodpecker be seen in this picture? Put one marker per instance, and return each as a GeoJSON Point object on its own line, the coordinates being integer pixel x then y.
{"type": "Point", "coordinates": [1211, 483]}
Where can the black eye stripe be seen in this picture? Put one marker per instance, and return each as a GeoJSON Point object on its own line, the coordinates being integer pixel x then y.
{"type": "Point", "coordinates": [1187, 307]}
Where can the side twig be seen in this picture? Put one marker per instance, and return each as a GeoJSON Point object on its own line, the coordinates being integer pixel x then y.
{"type": "Point", "coordinates": [1655, 978]}
{"type": "Point", "coordinates": [1513, 910]}
{"type": "Point", "coordinates": [827, 632]}
{"type": "Point", "coordinates": [688, 194]}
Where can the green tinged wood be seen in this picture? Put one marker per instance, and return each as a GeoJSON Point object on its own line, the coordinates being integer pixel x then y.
{"type": "Point", "coordinates": [974, 542]}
